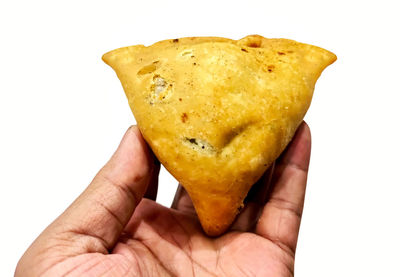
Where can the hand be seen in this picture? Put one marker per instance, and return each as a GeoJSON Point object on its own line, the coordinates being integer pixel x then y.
{"type": "Point", "coordinates": [111, 230]}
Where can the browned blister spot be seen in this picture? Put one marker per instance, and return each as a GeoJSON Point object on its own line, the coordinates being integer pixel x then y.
{"type": "Point", "coordinates": [271, 67]}
{"type": "Point", "coordinates": [281, 53]}
{"type": "Point", "coordinates": [184, 116]}
{"type": "Point", "coordinates": [253, 44]}
{"type": "Point", "coordinates": [244, 50]}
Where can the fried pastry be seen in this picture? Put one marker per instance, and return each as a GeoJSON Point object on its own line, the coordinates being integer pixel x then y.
{"type": "Point", "coordinates": [217, 112]}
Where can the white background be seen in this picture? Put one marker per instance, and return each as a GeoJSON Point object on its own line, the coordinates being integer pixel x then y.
{"type": "Point", "coordinates": [63, 112]}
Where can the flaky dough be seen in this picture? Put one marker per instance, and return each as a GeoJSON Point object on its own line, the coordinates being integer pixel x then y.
{"type": "Point", "coordinates": [217, 112]}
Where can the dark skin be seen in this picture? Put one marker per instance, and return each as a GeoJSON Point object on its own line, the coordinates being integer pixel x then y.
{"type": "Point", "coordinates": [115, 228]}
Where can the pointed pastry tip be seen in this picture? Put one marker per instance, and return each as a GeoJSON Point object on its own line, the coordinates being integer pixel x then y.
{"type": "Point", "coordinates": [106, 57]}
{"type": "Point", "coordinates": [327, 57]}
{"type": "Point", "coordinates": [315, 60]}
{"type": "Point", "coordinates": [318, 56]}
{"type": "Point", "coordinates": [216, 213]}
{"type": "Point", "coordinates": [111, 57]}
{"type": "Point", "coordinates": [121, 55]}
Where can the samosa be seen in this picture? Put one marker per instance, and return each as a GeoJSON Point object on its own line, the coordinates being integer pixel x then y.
{"type": "Point", "coordinates": [217, 112]}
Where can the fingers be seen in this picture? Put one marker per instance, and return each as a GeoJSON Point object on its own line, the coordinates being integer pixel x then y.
{"type": "Point", "coordinates": [182, 201]}
{"type": "Point", "coordinates": [95, 220]}
{"type": "Point", "coordinates": [280, 218]}
{"type": "Point", "coordinates": [254, 202]}
{"type": "Point", "coordinates": [151, 192]}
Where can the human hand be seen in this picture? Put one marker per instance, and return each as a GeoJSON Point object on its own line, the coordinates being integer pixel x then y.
{"type": "Point", "coordinates": [111, 230]}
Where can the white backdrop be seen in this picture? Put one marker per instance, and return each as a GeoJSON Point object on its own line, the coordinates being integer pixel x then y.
{"type": "Point", "coordinates": [63, 113]}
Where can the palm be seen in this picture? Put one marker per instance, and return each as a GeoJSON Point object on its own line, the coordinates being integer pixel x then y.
{"type": "Point", "coordinates": [108, 232]}
{"type": "Point", "coordinates": [166, 242]}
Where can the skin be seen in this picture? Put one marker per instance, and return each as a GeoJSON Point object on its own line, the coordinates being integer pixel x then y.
{"type": "Point", "coordinates": [115, 228]}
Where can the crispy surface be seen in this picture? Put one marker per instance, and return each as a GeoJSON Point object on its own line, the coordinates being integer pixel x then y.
{"type": "Point", "coordinates": [217, 112]}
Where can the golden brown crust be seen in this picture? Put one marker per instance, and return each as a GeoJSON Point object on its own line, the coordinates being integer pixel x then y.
{"type": "Point", "coordinates": [217, 112]}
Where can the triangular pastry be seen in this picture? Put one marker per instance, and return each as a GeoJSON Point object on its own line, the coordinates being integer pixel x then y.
{"type": "Point", "coordinates": [217, 112]}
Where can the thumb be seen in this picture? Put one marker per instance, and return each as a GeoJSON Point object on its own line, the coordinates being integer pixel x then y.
{"type": "Point", "coordinates": [105, 207]}
{"type": "Point", "coordinates": [95, 220]}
